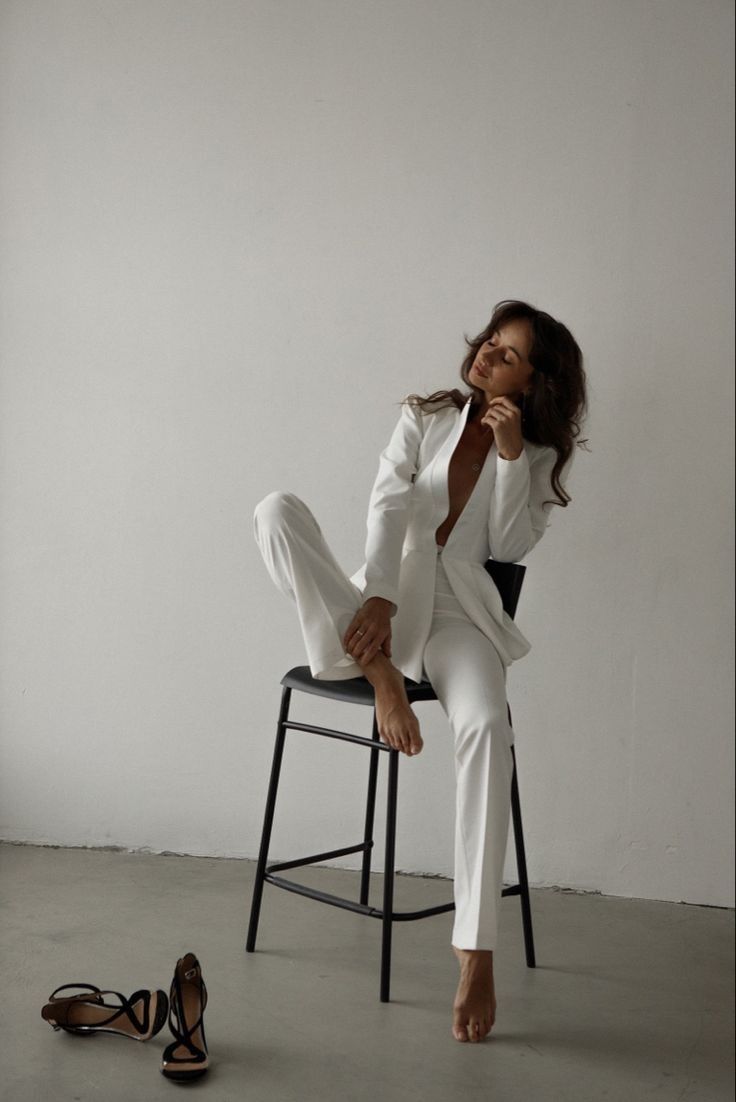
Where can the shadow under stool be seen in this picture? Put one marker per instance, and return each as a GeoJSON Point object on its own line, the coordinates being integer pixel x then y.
{"type": "Point", "coordinates": [508, 578]}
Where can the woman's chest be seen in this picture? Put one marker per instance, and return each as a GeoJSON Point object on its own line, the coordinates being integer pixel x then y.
{"type": "Point", "coordinates": [452, 488]}
{"type": "Point", "coordinates": [466, 463]}
{"type": "Point", "coordinates": [463, 471]}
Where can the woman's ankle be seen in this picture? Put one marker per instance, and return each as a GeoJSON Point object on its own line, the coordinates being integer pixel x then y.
{"type": "Point", "coordinates": [380, 670]}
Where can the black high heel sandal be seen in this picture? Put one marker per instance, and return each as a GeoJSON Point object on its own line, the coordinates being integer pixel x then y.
{"type": "Point", "coordinates": [140, 1017]}
{"type": "Point", "coordinates": [186, 1058]}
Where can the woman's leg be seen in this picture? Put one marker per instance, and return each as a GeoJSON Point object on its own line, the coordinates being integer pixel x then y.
{"type": "Point", "coordinates": [470, 682]}
{"type": "Point", "coordinates": [468, 677]}
{"type": "Point", "coordinates": [304, 568]}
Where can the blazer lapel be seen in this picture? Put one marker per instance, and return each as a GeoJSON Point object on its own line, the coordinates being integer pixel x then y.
{"type": "Point", "coordinates": [441, 464]}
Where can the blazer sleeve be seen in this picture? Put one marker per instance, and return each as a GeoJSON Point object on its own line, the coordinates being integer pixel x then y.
{"type": "Point", "coordinates": [388, 507]}
{"type": "Point", "coordinates": [518, 519]}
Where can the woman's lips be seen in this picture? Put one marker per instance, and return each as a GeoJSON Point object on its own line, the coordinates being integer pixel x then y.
{"type": "Point", "coordinates": [480, 370]}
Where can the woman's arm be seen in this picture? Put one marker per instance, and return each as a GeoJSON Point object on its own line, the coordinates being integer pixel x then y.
{"type": "Point", "coordinates": [518, 519]}
{"type": "Point", "coordinates": [388, 506]}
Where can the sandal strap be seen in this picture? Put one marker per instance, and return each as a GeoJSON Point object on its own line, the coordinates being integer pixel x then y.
{"type": "Point", "coordinates": [125, 1008]}
{"type": "Point", "coordinates": [91, 990]}
{"type": "Point", "coordinates": [178, 1026]}
{"type": "Point", "coordinates": [140, 1025]}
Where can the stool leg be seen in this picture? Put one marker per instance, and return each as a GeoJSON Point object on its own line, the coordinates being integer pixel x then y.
{"type": "Point", "coordinates": [526, 909]}
{"type": "Point", "coordinates": [273, 785]}
{"type": "Point", "coordinates": [388, 874]}
{"type": "Point", "coordinates": [370, 813]}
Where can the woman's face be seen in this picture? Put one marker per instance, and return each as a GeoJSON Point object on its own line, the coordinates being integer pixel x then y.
{"type": "Point", "coordinates": [501, 364]}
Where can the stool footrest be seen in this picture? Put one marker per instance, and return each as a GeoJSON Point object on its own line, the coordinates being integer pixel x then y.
{"type": "Point", "coordinates": [360, 848]}
{"type": "Point", "coordinates": [321, 897]}
{"type": "Point", "coordinates": [350, 905]}
{"type": "Point", "coordinates": [344, 736]}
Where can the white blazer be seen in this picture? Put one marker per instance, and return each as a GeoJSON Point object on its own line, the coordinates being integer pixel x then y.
{"type": "Point", "coordinates": [503, 519]}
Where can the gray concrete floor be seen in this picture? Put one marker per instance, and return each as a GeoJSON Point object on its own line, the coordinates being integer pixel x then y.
{"type": "Point", "coordinates": [629, 1000]}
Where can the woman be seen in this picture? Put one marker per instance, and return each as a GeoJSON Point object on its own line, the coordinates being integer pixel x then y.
{"type": "Point", "coordinates": [463, 479]}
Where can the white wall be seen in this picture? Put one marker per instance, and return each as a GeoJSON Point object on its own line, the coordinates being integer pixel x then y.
{"type": "Point", "coordinates": [235, 235]}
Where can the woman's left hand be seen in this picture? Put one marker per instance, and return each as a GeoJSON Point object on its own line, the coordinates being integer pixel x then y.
{"type": "Point", "coordinates": [504, 417]}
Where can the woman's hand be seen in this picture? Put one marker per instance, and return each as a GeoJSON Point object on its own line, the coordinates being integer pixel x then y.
{"type": "Point", "coordinates": [369, 631]}
{"type": "Point", "coordinates": [504, 417]}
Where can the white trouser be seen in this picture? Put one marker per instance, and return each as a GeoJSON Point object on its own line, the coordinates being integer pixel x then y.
{"type": "Point", "coordinates": [467, 676]}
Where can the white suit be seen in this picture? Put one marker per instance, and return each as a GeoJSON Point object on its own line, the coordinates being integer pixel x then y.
{"type": "Point", "coordinates": [448, 621]}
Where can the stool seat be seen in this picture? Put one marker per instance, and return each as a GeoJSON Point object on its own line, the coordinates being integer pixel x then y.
{"type": "Point", "coordinates": [353, 690]}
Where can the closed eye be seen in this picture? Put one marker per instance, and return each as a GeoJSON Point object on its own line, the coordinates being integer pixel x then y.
{"type": "Point", "coordinates": [509, 362]}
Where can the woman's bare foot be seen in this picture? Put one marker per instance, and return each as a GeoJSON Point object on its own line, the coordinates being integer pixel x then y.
{"type": "Point", "coordinates": [397, 724]}
{"type": "Point", "coordinates": [475, 1001]}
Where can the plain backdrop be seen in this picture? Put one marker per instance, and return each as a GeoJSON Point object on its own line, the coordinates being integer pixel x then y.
{"type": "Point", "coordinates": [235, 234]}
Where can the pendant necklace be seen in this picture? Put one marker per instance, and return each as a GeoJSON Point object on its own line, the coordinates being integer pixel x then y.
{"type": "Point", "coordinates": [477, 466]}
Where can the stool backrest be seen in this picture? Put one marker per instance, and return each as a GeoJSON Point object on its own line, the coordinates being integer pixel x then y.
{"type": "Point", "coordinates": [508, 577]}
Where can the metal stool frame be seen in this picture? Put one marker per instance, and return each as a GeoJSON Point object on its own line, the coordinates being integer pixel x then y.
{"type": "Point", "coordinates": [508, 577]}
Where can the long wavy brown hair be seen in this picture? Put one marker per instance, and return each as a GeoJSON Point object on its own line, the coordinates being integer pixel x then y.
{"type": "Point", "coordinates": [554, 410]}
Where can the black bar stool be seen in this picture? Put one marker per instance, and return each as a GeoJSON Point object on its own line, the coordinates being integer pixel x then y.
{"type": "Point", "coordinates": [358, 690]}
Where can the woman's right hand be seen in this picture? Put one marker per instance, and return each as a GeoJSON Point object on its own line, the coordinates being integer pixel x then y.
{"type": "Point", "coordinates": [369, 631]}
